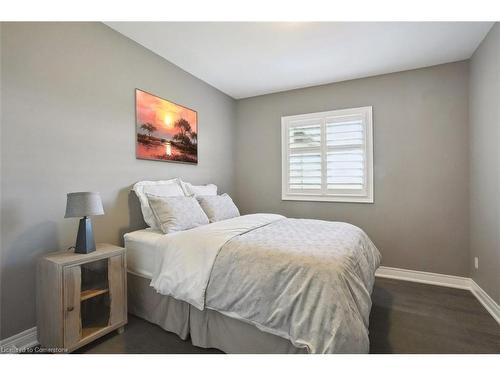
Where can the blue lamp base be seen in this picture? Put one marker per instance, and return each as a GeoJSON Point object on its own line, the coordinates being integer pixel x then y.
{"type": "Point", "coordinates": [85, 239]}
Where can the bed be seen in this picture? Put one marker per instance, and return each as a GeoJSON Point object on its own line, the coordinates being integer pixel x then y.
{"type": "Point", "coordinates": [258, 283]}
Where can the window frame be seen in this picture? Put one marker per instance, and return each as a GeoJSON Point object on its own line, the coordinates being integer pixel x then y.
{"type": "Point", "coordinates": [367, 196]}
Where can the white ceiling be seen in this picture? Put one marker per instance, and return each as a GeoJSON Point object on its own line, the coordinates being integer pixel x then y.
{"type": "Point", "coordinates": [248, 59]}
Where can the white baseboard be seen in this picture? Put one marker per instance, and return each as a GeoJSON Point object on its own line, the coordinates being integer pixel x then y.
{"type": "Point", "coordinates": [489, 304]}
{"type": "Point", "coordinates": [28, 339]}
{"type": "Point", "coordinates": [449, 281]}
{"type": "Point", "coordinates": [20, 342]}
{"type": "Point", "coordinates": [424, 277]}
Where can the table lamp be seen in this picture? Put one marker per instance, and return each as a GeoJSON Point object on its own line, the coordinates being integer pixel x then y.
{"type": "Point", "coordinates": [84, 204]}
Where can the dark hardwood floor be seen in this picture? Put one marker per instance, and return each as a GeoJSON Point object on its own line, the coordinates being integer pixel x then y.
{"type": "Point", "coordinates": [409, 317]}
{"type": "Point", "coordinates": [406, 318]}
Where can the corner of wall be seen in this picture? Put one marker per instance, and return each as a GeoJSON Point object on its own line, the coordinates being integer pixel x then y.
{"type": "Point", "coordinates": [483, 121]}
{"type": "Point", "coordinates": [1, 241]}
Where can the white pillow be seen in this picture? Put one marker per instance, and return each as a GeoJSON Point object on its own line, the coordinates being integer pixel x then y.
{"type": "Point", "coordinates": [195, 190]}
{"type": "Point", "coordinates": [177, 213]}
{"type": "Point", "coordinates": [218, 207]}
{"type": "Point", "coordinates": [166, 188]}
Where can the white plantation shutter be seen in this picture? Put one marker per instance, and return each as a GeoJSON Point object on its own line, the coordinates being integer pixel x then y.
{"type": "Point", "coordinates": [345, 137]}
{"type": "Point", "coordinates": [327, 156]}
{"type": "Point", "coordinates": [304, 168]}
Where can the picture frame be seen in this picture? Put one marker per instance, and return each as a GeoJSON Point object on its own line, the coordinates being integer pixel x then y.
{"type": "Point", "coordinates": [164, 130]}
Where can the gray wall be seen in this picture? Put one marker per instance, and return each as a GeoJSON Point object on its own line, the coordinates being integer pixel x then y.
{"type": "Point", "coordinates": [420, 216]}
{"type": "Point", "coordinates": [485, 163]}
{"type": "Point", "coordinates": [68, 125]}
{"type": "Point", "coordinates": [1, 183]}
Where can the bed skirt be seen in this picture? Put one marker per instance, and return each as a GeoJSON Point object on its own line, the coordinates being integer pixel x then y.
{"type": "Point", "coordinates": [207, 328]}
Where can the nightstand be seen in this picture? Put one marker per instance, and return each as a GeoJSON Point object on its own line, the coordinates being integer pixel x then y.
{"type": "Point", "coordinates": [81, 297]}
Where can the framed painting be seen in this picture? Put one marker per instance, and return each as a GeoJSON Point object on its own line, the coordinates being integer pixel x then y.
{"type": "Point", "coordinates": [165, 131]}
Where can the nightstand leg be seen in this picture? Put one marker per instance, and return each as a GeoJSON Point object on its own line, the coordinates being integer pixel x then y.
{"type": "Point", "coordinates": [120, 330]}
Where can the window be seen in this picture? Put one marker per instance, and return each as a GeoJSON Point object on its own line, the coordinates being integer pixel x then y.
{"type": "Point", "coordinates": [328, 156]}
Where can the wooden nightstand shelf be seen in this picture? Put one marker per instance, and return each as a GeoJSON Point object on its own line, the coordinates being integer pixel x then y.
{"type": "Point", "coordinates": [81, 297]}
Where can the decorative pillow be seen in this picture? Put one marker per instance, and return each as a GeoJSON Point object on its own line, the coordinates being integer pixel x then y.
{"type": "Point", "coordinates": [174, 214]}
{"type": "Point", "coordinates": [196, 190]}
{"type": "Point", "coordinates": [218, 207]}
{"type": "Point", "coordinates": [166, 188]}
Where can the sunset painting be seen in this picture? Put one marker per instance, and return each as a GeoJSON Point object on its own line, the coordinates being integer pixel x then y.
{"type": "Point", "coordinates": [165, 131]}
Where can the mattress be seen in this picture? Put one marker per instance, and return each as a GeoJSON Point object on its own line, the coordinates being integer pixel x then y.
{"type": "Point", "coordinates": [141, 247]}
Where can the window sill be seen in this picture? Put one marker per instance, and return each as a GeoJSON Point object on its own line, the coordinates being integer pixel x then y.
{"type": "Point", "coordinates": [343, 199]}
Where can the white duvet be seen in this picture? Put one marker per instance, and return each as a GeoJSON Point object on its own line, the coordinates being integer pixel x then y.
{"type": "Point", "coordinates": [185, 259]}
{"type": "Point", "coordinates": [308, 281]}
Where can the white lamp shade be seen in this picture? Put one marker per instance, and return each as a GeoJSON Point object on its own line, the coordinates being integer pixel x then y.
{"type": "Point", "coordinates": [83, 204]}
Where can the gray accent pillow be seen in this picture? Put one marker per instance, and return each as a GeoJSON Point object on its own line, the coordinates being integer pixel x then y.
{"type": "Point", "coordinates": [218, 207]}
{"type": "Point", "coordinates": [174, 214]}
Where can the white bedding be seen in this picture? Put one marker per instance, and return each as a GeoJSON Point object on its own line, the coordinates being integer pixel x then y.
{"type": "Point", "coordinates": [305, 280]}
{"type": "Point", "coordinates": [184, 260]}
{"type": "Point", "coordinates": [141, 247]}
